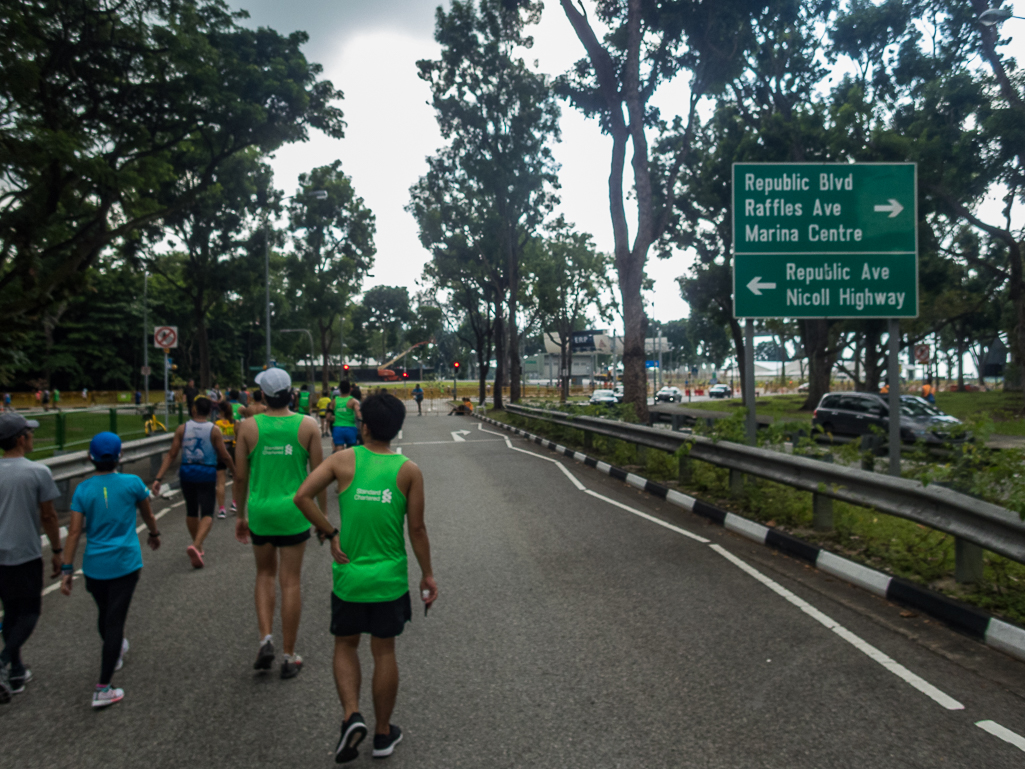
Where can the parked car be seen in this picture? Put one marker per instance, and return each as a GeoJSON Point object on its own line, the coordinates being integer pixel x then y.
{"type": "Point", "coordinates": [619, 393]}
{"type": "Point", "coordinates": [669, 395]}
{"type": "Point", "coordinates": [857, 413]}
{"type": "Point", "coordinates": [720, 391]}
{"type": "Point", "coordinates": [603, 397]}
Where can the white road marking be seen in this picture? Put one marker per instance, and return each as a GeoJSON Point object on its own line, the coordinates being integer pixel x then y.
{"type": "Point", "coordinates": [448, 443]}
{"type": "Point", "coordinates": [647, 517]}
{"type": "Point", "coordinates": [944, 700]}
{"type": "Point", "coordinates": [1003, 733]}
{"type": "Point", "coordinates": [938, 696]}
{"type": "Point", "coordinates": [398, 449]}
{"type": "Point", "coordinates": [457, 435]}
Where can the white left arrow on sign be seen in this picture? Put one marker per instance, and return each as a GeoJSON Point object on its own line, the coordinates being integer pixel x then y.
{"type": "Point", "coordinates": [756, 287]}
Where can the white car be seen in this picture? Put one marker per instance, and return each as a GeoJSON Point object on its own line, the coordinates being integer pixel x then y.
{"type": "Point", "coordinates": [603, 397]}
{"type": "Point", "coordinates": [669, 395]}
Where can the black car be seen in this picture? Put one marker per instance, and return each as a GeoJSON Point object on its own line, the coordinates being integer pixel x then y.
{"type": "Point", "coordinates": [857, 413]}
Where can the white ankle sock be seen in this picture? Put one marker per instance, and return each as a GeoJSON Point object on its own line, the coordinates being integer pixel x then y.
{"type": "Point", "coordinates": [266, 638]}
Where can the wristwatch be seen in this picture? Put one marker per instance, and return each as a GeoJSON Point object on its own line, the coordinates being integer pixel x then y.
{"type": "Point", "coordinates": [332, 535]}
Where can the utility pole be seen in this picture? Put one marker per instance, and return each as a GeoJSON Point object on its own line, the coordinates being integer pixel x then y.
{"type": "Point", "coordinates": [145, 334]}
{"type": "Point", "coordinates": [266, 275]}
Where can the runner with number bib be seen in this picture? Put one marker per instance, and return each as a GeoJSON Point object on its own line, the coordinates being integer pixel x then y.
{"type": "Point", "coordinates": [274, 450]}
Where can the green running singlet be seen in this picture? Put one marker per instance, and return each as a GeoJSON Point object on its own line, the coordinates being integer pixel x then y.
{"type": "Point", "coordinates": [236, 408]}
{"type": "Point", "coordinates": [304, 402]}
{"type": "Point", "coordinates": [277, 467]}
{"type": "Point", "coordinates": [372, 512]}
{"type": "Point", "coordinates": [344, 416]}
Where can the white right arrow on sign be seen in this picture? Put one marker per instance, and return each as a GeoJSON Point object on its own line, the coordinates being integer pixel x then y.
{"type": "Point", "coordinates": [893, 207]}
{"type": "Point", "coordinates": [756, 287]}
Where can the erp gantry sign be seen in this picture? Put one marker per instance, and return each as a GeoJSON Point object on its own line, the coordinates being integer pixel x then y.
{"type": "Point", "coordinates": [825, 240]}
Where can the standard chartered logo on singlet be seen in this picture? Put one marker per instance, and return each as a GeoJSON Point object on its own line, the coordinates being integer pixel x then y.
{"type": "Point", "coordinates": [285, 451]}
{"type": "Point", "coordinates": [368, 495]}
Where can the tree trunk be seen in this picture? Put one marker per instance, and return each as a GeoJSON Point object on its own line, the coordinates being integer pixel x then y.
{"type": "Point", "coordinates": [327, 338]}
{"type": "Point", "coordinates": [960, 363]}
{"type": "Point", "coordinates": [202, 341]}
{"type": "Point", "coordinates": [513, 349]}
{"type": "Point", "coordinates": [500, 340]}
{"type": "Point", "coordinates": [815, 337]}
{"type": "Point", "coordinates": [565, 362]}
{"type": "Point", "coordinates": [635, 385]}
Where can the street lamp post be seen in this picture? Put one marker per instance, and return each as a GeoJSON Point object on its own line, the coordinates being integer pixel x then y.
{"type": "Point", "coordinates": [316, 195]}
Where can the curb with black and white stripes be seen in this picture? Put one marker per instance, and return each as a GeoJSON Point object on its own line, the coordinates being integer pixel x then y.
{"type": "Point", "coordinates": [1001, 635]}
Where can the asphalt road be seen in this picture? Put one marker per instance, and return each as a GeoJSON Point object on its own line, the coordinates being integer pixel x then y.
{"type": "Point", "coordinates": [569, 632]}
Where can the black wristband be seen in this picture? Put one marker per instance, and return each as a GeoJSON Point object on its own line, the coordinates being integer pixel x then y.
{"type": "Point", "coordinates": [56, 550]}
{"type": "Point", "coordinates": [332, 535]}
{"type": "Point", "coordinates": [154, 533]}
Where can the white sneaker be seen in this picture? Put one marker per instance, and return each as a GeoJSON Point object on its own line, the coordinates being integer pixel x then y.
{"type": "Point", "coordinates": [121, 657]}
{"type": "Point", "coordinates": [107, 696]}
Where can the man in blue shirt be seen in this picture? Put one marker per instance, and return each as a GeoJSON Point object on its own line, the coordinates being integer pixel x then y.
{"type": "Point", "coordinates": [104, 507]}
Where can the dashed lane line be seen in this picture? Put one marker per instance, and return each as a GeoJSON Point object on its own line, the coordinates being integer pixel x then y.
{"type": "Point", "coordinates": [1003, 733]}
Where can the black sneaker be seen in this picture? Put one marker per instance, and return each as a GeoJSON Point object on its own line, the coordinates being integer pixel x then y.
{"type": "Point", "coordinates": [265, 657]}
{"type": "Point", "coordinates": [5, 685]}
{"type": "Point", "coordinates": [384, 744]}
{"type": "Point", "coordinates": [353, 732]}
{"type": "Point", "coordinates": [290, 667]}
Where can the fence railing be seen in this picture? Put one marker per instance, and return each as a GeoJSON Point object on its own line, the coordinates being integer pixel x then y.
{"type": "Point", "coordinates": [77, 463]}
{"type": "Point", "coordinates": [72, 429]}
{"type": "Point", "coordinates": [975, 524]}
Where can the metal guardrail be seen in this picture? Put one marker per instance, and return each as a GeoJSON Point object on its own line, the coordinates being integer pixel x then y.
{"type": "Point", "coordinates": [986, 525]}
{"type": "Point", "coordinates": [75, 464]}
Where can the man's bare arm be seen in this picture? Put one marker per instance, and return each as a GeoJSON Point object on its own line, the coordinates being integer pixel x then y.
{"type": "Point", "coordinates": [418, 539]}
{"type": "Point", "coordinates": [169, 457]}
{"type": "Point", "coordinates": [48, 517]}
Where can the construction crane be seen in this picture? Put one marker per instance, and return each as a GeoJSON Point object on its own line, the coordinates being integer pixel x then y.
{"type": "Point", "coordinates": [385, 374]}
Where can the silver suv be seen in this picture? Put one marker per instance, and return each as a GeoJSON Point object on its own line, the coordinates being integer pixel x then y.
{"type": "Point", "coordinates": [857, 413]}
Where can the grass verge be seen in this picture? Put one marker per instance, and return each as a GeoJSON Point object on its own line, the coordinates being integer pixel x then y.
{"type": "Point", "coordinates": [893, 545]}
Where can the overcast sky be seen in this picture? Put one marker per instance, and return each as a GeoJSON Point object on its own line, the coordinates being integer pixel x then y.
{"type": "Point", "coordinates": [369, 51]}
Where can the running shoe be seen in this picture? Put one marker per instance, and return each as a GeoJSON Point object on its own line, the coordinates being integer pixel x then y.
{"type": "Point", "coordinates": [290, 667]}
{"type": "Point", "coordinates": [107, 695]}
{"type": "Point", "coordinates": [121, 657]}
{"type": "Point", "coordinates": [18, 682]}
{"type": "Point", "coordinates": [353, 732]}
{"type": "Point", "coordinates": [5, 684]}
{"type": "Point", "coordinates": [195, 556]}
{"type": "Point", "coordinates": [384, 744]}
{"type": "Point", "coordinates": [234, 508]}
{"type": "Point", "coordinates": [221, 513]}
{"type": "Point", "coordinates": [265, 657]}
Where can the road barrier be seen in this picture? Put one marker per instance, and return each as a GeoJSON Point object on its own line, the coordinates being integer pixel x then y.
{"type": "Point", "coordinates": [77, 463]}
{"type": "Point", "coordinates": [976, 525]}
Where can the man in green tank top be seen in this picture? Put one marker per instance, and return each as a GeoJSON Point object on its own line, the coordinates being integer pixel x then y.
{"type": "Point", "coordinates": [302, 403]}
{"type": "Point", "coordinates": [343, 414]}
{"type": "Point", "coordinates": [272, 453]}
{"type": "Point", "coordinates": [378, 491]}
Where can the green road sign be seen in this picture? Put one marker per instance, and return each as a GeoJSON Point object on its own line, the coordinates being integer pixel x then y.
{"type": "Point", "coordinates": [825, 240]}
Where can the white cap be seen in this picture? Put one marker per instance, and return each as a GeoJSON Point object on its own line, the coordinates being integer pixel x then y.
{"type": "Point", "coordinates": [274, 381]}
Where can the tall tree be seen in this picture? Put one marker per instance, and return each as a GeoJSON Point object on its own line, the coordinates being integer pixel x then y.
{"type": "Point", "coordinates": [500, 118]}
{"type": "Point", "coordinates": [647, 45]}
{"type": "Point", "coordinates": [388, 310]}
{"type": "Point", "coordinates": [117, 115]}
{"type": "Point", "coordinates": [332, 251]}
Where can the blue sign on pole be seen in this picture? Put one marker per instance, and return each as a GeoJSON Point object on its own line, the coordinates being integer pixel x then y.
{"type": "Point", "coordinates": [651, 364]}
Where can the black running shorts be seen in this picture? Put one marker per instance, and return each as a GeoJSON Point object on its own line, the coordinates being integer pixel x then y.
{"type": "Point", "coordinates": [21, 587]}
{"type": "Point", "coordinates": [279, 540]}
{"type": "Point", "coordinates": [200, 498]}
{"type": "Point", "coordinates": [382, 620]}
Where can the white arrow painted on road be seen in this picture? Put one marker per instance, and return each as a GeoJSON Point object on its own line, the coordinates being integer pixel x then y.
{"type": "Point", "coordinates": [756, 287]}
{"type": "Point", "coordinates": [893, 207]}
{"type": "Point", "coordinates": [457, 435]}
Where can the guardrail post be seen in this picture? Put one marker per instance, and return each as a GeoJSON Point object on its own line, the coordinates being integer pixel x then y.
{"type": "Point", "coordinates": [686, 469]}
{"type": "Point", "coordinates": [822, 512]}
{"type": "Point", "coordinates": [588, 439]}
{"type": "Point", "coordinates": [113, 420]}
{"type": "Point", "coordinates": [967, 561]}
{"type": "Point", "coordinates": [736, 483]}
{"type": "Point", "coordinates": [642, 455]}
{"type": "Point", "coordinates": [61, 431]}
{"type": "Point", "coordinates": [677, 418]}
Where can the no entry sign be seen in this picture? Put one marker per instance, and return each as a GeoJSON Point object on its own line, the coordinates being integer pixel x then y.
{"type": "Point", "coordinates": [824, 240]}
{"type": "Point", "coordinates": [165, 336]}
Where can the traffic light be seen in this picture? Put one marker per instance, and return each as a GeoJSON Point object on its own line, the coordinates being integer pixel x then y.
{"type": "Point", "coordinates": [405, 375]}
{"type": "Point", "coordinates": [345, 367]}
{"type": "Point", "coordinates": [456, 365]}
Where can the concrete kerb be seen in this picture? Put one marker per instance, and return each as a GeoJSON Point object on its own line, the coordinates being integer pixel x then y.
{"type": "Point", "coordinates": [1000, 635]}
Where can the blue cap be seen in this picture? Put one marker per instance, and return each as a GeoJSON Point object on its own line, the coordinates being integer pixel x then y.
{"type": "Point", "coordinates": [104, 446]}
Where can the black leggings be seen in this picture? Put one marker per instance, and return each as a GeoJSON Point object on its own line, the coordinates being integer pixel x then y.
{"type": "Point", "coordinates": [21, 590]}
{"type": "Point", "coordinates": [113, 597]}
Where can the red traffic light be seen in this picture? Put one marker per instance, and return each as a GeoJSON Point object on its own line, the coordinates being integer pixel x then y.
{"type": "Point", "coordinates": [405, 375]}
{"type": "Point", "coordinates": [345, 367]}
{"type": "Point", "coordinates": [456, 365]}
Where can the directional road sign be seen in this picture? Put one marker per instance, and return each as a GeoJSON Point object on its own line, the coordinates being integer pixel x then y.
{"type": "Point", "coordinates": [165, 336]}
{"type": "Point", "coordinates": [825, 240]}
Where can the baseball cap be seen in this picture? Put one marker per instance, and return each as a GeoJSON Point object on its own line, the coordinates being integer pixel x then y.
{"type": "Point", "coordinates": [104, 445]}
{"type": "Point", "coordinates": [12, 423]}
{"type": "Point", "coordinates": [274, 381]}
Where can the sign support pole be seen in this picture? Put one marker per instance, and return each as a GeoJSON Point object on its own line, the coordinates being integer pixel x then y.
{"type": "Point", "coordinates": [748, 385]}
{"type": "Point", "coordinates": [145, 331]}
{"type": "Point", "coordinates": [893, 377]}
{"type": "Point", "coordinates": [166, 367]}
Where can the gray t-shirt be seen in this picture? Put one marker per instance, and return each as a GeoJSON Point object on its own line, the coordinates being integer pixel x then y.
{"type": "Point", "coordinates": [24, 485]}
